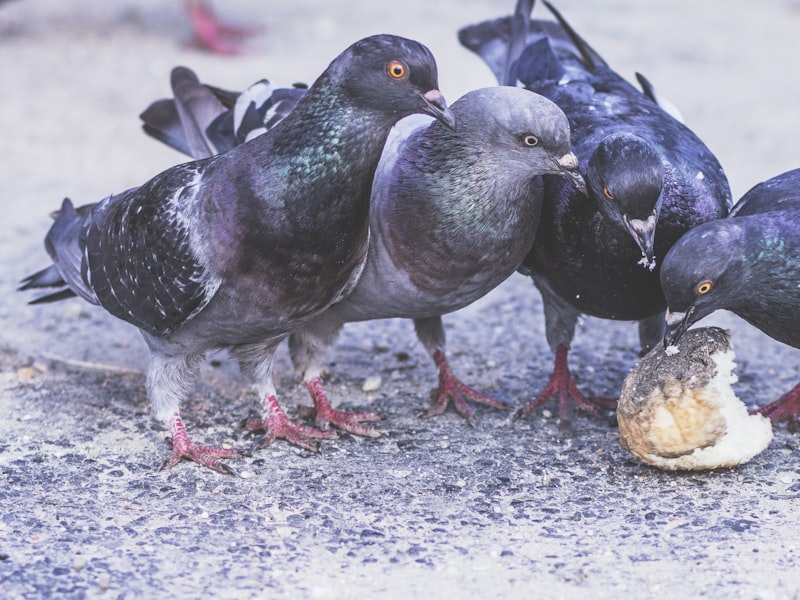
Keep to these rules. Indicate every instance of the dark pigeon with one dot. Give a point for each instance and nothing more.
(749, 264)
(452, 216)
(650, 180)
(238, 250)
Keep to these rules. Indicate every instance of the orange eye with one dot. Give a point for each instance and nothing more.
(607, 193)
(396, 70)
(703, 288)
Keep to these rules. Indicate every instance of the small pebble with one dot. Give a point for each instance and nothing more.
(671, 350)
(25, 373)
(371, 384)
(103, 581)
(74, 311)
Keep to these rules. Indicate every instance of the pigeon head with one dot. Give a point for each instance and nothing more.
(701, 273)
(393, 75)
(626, 176)
(531, 131)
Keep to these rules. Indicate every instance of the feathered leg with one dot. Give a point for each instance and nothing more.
(169, 381)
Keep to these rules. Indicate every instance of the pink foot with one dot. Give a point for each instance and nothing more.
(211, 34)
(786, 407)
(207, 456)
(278, 426)
(326, 415)
(561, 383)
(451, 388)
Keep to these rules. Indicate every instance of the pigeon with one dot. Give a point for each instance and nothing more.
(452, 214)
(650, 180)
(747, 263)
(238, 250)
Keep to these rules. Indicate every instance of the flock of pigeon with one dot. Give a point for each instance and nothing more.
(364, 196)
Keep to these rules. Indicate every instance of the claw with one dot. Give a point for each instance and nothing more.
(561, 383)
(278, 426)
(326, 415)
(451, 388)
(786, 407)
(208, 456)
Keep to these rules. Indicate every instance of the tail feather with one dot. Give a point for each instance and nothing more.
(490, 41)
(520, 25)
(504, 42)
(46, 278)
(54, 297)
(182, 122)
(226, 97)
(650, 91)
(197, 107)
(161, 121)
(63, 245)
(202, 120)
(591, 58)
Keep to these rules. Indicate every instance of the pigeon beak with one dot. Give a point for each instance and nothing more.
(436, 106)
(568, 169)
(677, 324)
(643, 233)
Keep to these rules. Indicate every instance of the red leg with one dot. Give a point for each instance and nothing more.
(786, 407)
(278, 426)
(207, 456)
(451, 388)
(326, 415)
(561, 383)
(210, 33)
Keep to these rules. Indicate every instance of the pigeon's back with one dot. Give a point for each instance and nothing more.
(550, 58)
(781, 193)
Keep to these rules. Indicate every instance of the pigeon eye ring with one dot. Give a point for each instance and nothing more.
(396, 70)
(530, 140)
(703, 288)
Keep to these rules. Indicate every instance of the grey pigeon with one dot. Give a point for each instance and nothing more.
(238, 250)
(452, 216)
(650, 180)
(749, 264)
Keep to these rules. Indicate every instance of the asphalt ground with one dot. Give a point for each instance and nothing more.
(433, 508)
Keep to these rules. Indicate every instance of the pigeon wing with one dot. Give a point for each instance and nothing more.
(140, 253)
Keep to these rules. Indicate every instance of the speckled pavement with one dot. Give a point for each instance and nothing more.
(433, 508)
